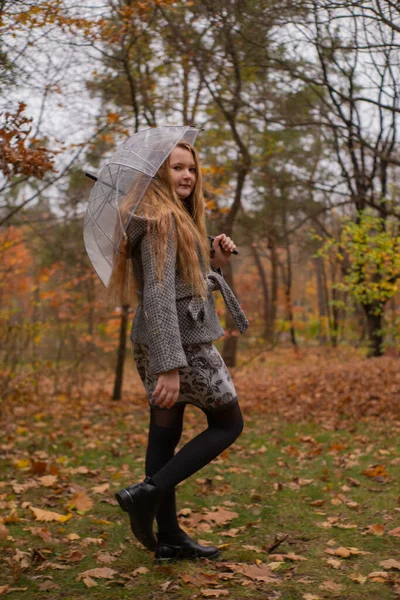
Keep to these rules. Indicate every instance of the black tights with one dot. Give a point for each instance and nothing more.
(168, 469)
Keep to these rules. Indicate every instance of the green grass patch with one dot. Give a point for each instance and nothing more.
(314, 488)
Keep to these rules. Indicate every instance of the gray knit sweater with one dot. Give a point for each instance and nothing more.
(169, 316)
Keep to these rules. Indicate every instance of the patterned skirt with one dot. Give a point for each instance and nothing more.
(205, 382)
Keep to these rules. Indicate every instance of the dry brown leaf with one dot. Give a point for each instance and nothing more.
(231, 532)
(294, 557)
(334, 563)
(376, 529)
(391, 563)
(100, 489)
(378, 576)
(3, 589)
(100, 573)
(167, 585)
(81, 501)
(89, 582)
(252, 548)
(310, 597)
(47, 480)
(73, 536)
(260, 572)
(395, 532)
(3, 532)
(48, 585)
(207, 593)
(140, 571)
(220, 516)
(105, 557)
(376, 471)
(199, 579)
(48, 515)
(358, 578)
(330, 586)
(89, 540)
(340, 551)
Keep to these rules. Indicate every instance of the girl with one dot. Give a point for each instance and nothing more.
(173, 330)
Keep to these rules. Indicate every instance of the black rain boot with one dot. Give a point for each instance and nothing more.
(141, 501)
(182, 548)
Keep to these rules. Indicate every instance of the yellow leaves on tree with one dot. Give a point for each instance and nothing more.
(20, 153)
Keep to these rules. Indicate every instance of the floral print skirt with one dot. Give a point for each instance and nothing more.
(205, 382)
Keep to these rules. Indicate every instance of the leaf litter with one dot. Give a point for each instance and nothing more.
(70, 496)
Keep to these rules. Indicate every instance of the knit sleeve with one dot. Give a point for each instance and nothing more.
(160, 310)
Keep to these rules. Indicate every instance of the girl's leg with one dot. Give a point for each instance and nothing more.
(164, 434)
(224, 426)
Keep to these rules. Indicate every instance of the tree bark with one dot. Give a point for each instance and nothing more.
(374, 327)
(267, 308)
(322, 304)
(119, 372)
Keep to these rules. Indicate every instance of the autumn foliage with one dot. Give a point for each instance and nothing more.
(20, 153)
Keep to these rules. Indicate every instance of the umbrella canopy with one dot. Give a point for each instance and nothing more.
(133, 166)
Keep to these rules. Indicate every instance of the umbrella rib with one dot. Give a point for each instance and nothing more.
(114, 162)
(99, 228)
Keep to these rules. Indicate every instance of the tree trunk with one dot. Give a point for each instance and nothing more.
(287, 283)
(274, 285)
(267, 309)
(230, 342)
(322, 303)
(119, 372)
(374, 327)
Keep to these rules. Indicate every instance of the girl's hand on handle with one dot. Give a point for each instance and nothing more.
(223, 247)
(167, 389)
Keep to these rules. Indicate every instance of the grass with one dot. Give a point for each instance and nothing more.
(270, 478)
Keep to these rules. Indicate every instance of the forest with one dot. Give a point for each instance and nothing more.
(297, 104)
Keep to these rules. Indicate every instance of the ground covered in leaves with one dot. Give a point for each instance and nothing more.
(305, 505)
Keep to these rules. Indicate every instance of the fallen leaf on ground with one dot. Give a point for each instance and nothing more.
(100, 489)
(199, 579)
(89, 582)
(334, 563)
(220, 516)
(48, 515)
(376, 529)
(378, 576)
(81, 501)
(395, 532)
(311, 597)
(48, 480)
(391, 563)
(331, 586)
(100, 573)
(358, 578)
(105, 557)
(341, 551)
(260, 572)
(3, 532)
(376, 471)
(140, 571)
(48, 585)
(214, 593)
(294, 557)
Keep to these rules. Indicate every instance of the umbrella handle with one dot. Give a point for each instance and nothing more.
(94, 178)
(91, 176)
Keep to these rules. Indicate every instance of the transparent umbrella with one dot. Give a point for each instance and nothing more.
(132, 167)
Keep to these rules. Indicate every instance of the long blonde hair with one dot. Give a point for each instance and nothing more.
(167, 215)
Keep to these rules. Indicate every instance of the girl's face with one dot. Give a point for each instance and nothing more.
(183, 172)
